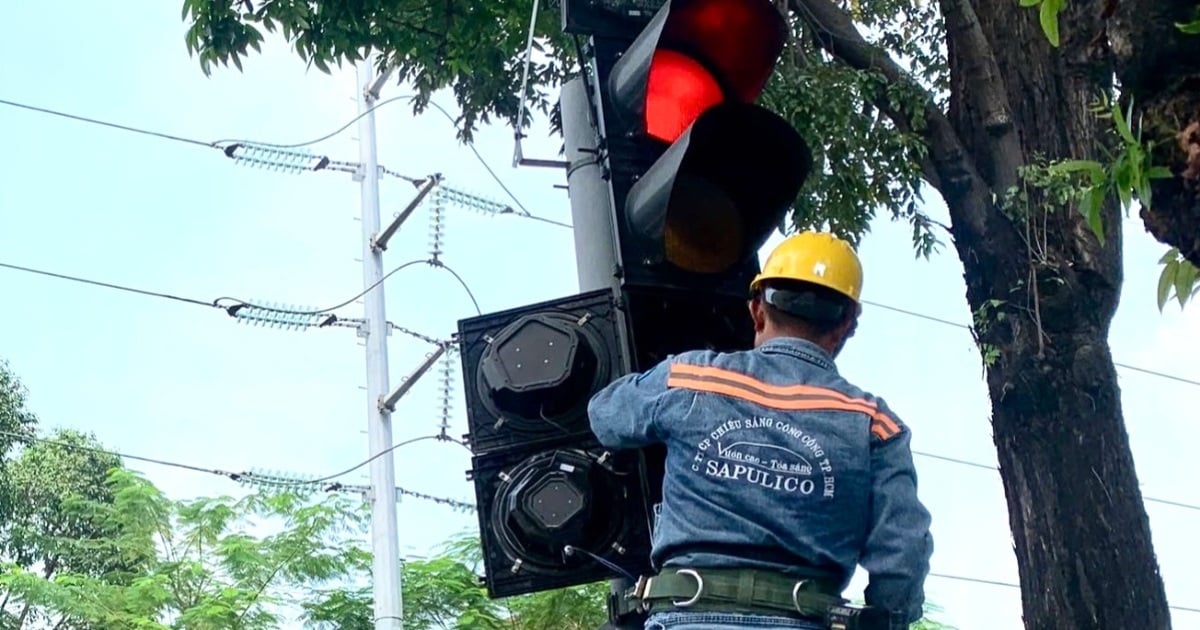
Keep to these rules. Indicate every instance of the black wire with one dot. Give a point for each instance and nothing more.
(216, 303)
(964, 462)
(466, 288)
(336, 306)
(324, 137)
(118, 287)
(948, 322)
(157, 134)
(470, 145)
(1012, 585)
(215, 471)
(33, 438)
(372, 458)
(216, 144)
(236, 476)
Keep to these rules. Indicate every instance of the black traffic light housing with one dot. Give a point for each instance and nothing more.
(549, 497)
(696, 177)
(699, 175)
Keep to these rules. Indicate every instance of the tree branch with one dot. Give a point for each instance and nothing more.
(987, 93)
(952, 171)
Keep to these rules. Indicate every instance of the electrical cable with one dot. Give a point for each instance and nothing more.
(334, 307)
(955, 324)
(108, 285)
(216, 304)
(462, 282)
(435, 105)
(375, 457)
(218, 144)
(964, 462)
(157, 134)
(242, 476)
(963, 578)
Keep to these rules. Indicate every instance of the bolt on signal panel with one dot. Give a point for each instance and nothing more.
(550, 499)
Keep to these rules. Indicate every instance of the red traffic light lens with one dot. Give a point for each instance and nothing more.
(679, 89)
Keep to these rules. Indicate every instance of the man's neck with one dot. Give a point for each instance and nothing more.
(823, 343)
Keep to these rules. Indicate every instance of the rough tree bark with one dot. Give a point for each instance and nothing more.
(1082, 535)
(1159, 67)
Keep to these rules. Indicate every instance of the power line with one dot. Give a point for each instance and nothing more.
(229, 143)
(975, 580)
(107, 285)
(216, 303)
(233, 310)
(248, 477)
(268, 480)
(148, 132)
(963, 462)
(955, 324)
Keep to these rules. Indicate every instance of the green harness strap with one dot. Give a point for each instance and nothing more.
(733, 590)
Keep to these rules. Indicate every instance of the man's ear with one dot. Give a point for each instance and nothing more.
(758, 313)
(852, 321)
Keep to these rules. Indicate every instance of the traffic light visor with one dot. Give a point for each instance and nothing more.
(715, 195)
(692, 55)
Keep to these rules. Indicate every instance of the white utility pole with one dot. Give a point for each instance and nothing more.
(385, 537)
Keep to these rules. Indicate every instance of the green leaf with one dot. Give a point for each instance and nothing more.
(1048, 15)
(1185, 279)
(1073, 166)
(1166, 280)
(1091, 205)
(1122, 123)
(1158, 172)
(1191, 28)
(1030, 3)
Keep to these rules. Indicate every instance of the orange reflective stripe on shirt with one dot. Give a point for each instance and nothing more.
(784, 397)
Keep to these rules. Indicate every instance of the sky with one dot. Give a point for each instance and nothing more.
(187, 383)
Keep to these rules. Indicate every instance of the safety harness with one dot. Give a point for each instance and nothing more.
(728, 590)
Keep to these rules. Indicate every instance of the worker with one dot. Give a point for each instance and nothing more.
(781, 476)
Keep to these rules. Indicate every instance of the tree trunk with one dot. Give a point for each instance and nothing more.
(1082, 535)
(1045, 290)
(1159, 68)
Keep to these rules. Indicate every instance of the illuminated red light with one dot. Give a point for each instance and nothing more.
(678, 90)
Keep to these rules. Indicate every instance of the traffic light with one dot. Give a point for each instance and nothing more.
(699, 174)
(549, 498)
(689, 177)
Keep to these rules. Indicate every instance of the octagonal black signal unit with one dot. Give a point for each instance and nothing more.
(559, 517)
(529, 372)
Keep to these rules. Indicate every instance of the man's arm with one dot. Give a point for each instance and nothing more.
(625, 413)
(899, 545)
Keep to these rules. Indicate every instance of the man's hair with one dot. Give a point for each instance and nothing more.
(805, 307)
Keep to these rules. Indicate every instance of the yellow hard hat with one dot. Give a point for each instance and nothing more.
(817, 257)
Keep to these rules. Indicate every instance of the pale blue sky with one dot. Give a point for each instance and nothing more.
(186, 383)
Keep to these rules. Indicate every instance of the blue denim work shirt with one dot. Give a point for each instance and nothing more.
(774, 461)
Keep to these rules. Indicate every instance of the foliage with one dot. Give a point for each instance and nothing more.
(52, 528)
(16, 423)
(1179, 279)
(204, 567)
(1128, 173)
(15, 420)
(196, 565)
(476, 49)
(445, 591)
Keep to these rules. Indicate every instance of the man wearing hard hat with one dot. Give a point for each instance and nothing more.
(781, 476)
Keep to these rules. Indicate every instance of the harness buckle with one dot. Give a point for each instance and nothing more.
(699, 589)
(796, 595)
